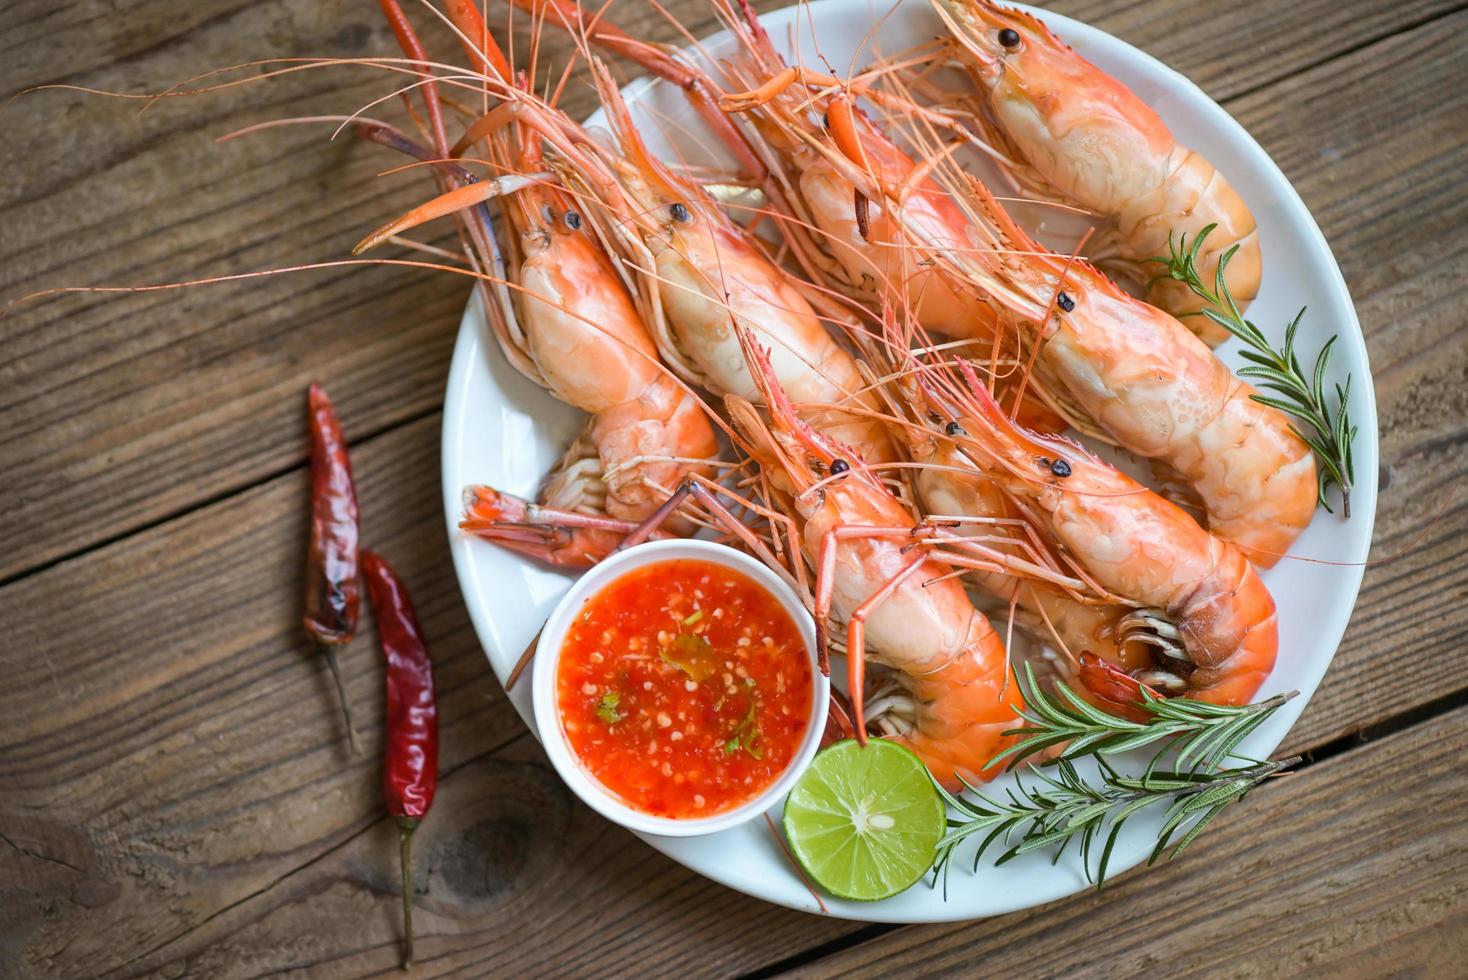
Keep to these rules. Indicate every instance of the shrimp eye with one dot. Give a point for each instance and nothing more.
(680, 212)
(1009, 37)
(1060, 468)
(839, 466)
(1064, 301)
(572, 220)
(954, 429)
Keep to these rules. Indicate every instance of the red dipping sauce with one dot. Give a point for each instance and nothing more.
(684, 688)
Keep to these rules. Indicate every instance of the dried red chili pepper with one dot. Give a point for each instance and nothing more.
(410, 773)
(333, 595)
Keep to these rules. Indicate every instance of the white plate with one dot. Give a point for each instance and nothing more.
(501, 430)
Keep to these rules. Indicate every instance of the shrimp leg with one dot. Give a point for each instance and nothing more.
(856, 638)
(562, 538)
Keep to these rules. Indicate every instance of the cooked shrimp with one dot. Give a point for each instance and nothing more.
(1081, 136)
(1211, 619)
(879, 243)
(903, 607)
(593, 351)
(860, 245)
(575, 330)
(695, 272)
(950, 485)
(1138, 375)
(953, 490)
(713, 276)
(877, 212)
(1156, 389)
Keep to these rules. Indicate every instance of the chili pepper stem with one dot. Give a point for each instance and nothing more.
(406, 826)
(341, 692)
(410, 774)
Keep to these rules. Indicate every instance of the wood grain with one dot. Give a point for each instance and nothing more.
(168, 731)
(161, 401)
(1231, 49)
(170, 747)
(176, 795)
(1380, 166)
(157, 402)
(516, 878)
(1356, 867)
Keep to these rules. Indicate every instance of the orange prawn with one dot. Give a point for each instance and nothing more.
(1078, 135)
(1213, 630)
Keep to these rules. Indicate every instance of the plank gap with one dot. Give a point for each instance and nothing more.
(1345, 52)
(840, 944)
(1391, 726)
(211, 500)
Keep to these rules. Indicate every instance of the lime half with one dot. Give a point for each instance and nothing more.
(864, 822)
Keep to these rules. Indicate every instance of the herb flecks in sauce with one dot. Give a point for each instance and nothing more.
(712, 686)
(693, 655)
(746, 733)
(606, 708)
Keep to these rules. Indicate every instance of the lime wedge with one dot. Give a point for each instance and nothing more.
(864, 822)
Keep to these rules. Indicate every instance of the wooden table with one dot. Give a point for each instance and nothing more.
(175, 793)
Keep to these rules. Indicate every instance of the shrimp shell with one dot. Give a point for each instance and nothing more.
(1138, 546)
(1082, 137)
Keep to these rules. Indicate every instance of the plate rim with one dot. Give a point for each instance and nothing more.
(469, 346)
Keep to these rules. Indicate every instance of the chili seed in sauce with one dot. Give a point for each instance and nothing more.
(705, 716)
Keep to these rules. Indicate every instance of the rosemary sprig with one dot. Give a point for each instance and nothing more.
(1055, 809)
(1204, 735)
(1064, 807)
(1277, 370)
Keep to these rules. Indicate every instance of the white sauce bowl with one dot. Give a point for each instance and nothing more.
(547, 710)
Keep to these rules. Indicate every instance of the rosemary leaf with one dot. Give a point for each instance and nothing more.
(1203, 734)
(1053, 810)
(1054, 805)
(1279, 370)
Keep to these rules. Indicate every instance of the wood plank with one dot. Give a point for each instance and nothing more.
(1380, 167)
(1229, 49)
(516, 878)
(171, 747)
(1355, 867)
(194, 760)
(161, 401)
(169, 732)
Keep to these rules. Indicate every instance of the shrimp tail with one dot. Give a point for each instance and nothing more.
(560, 538)
(557, 539)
